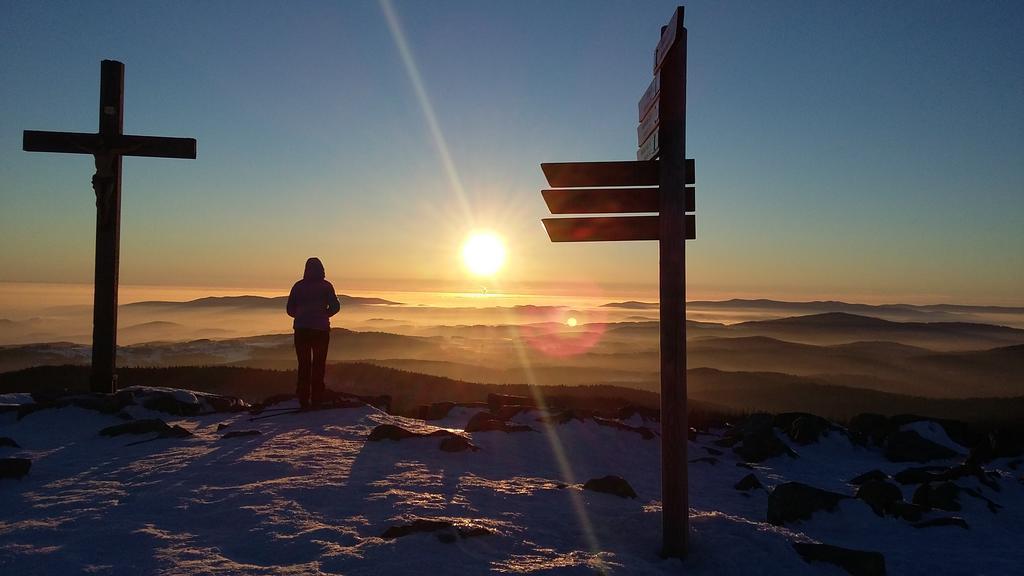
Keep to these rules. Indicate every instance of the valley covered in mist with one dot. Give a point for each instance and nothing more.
(742, 354)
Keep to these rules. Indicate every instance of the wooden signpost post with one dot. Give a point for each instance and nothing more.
(108, 145)
(655, 182)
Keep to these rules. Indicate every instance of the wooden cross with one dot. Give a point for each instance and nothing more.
(108, 145)
(656, 182)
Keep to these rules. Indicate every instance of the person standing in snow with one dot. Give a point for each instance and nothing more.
(312, 302)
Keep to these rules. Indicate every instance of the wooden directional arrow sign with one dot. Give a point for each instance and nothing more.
(610, 229)
(628, 173)
(647, 124)
(579, 174)
(609, 200)
(650, 97)
(649, 148)
(668, 39)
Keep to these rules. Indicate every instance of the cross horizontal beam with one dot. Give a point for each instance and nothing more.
(609, 200)
(123, 145)
(609, 228)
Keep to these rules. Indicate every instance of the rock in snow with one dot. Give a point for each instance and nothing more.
(855, 562)
(241, 434)
(14, 467)
(748, 482)
(796, 501)
(909, 446)
(146, 426)
(614, 485)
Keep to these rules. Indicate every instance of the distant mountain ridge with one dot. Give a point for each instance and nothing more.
(824, 306)
(261, 302)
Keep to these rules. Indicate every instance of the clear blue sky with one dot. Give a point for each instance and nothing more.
(858, 150)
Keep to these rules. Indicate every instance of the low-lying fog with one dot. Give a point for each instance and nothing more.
(939, 351)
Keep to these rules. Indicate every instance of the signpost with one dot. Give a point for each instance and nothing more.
(655, 182)
(108, 145)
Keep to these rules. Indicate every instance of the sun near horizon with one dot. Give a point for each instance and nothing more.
(483, 253)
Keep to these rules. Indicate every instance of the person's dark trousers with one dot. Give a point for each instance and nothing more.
(311, 350)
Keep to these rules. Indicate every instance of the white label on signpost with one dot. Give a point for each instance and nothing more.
(649, 97)
(648, 123)
(649, 149)
(668, 38)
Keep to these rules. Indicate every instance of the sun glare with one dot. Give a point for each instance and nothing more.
(483, 253)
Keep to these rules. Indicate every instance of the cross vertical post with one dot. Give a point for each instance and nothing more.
(107, 146)
(107, 185)
(672, 281)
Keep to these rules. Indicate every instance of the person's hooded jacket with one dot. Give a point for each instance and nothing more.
(312, 300)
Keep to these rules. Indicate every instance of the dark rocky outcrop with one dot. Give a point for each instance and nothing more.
(435, 411)
(153, 399)
(14, 467)
(486, 422)
(390, 432)
(748, 482)
(959, 432)
(346, 399)
(784, 420)
(456, 443)
(439, 410)
(880, 495)
(919, 474)
(923, 474)
(240, 434)
(997, 444)
(762, 445)
(563, 417)
(643, 431)
(222, 426)
(615, 485)
(855, 562)
(944, 496)
(274, 399)
(869, 476)
(801, 427)
(145, 426)
(947, 521)
(496, 401)
(451, 442)
(909, 446)
(869, 429)
(6, 442)
(509, 412)
(446, 530)
(808, 429)
(754, 439)
(168, 404)
(907, 511)
(796, 501)
(104, 403)
(648, 414)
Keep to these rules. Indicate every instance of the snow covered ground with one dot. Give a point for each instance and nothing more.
(310, 495)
